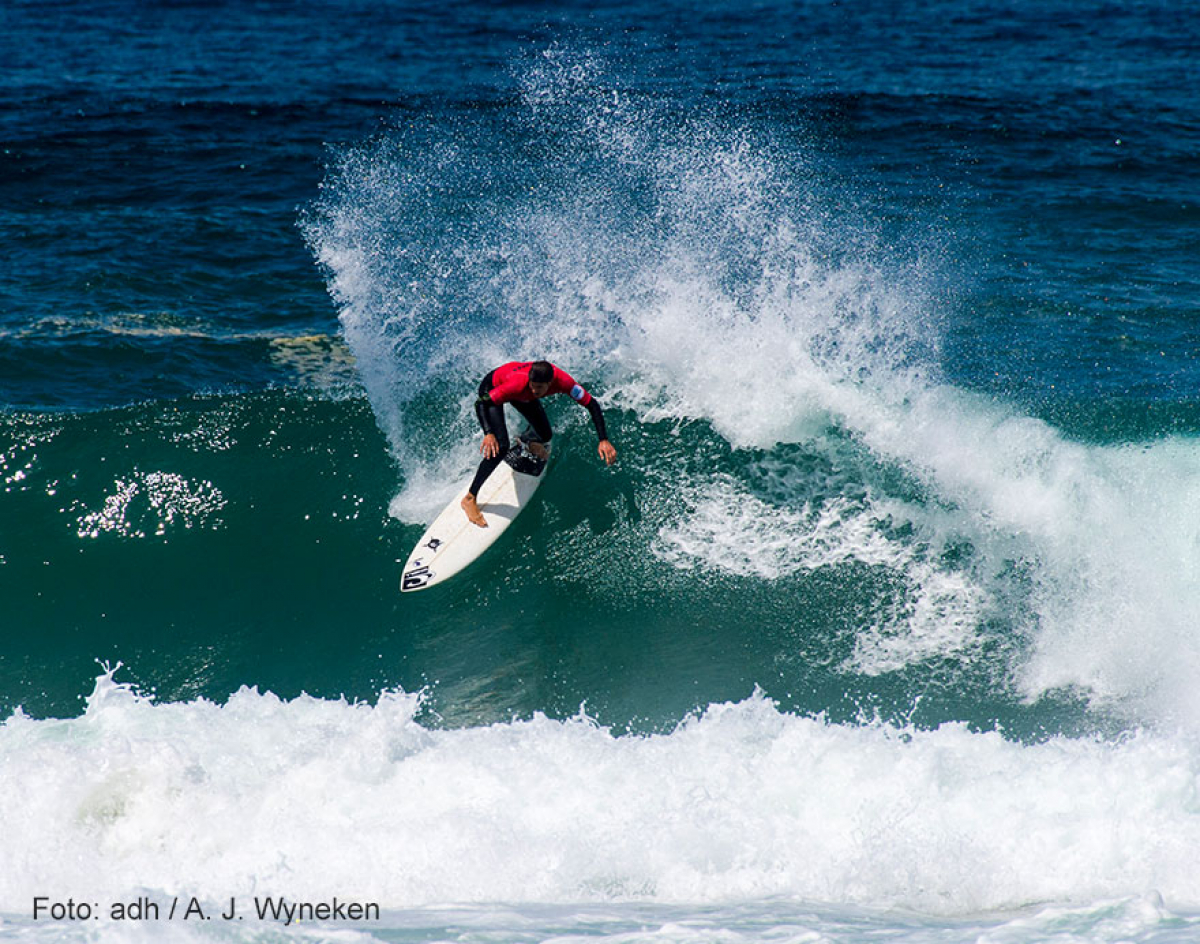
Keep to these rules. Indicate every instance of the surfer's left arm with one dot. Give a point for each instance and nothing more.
(567, 385)
(606, 449)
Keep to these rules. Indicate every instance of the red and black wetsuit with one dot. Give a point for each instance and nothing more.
(509, 383)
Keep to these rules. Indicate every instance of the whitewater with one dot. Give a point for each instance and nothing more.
(740, 804)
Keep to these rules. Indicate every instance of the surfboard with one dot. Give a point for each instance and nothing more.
(452, 542)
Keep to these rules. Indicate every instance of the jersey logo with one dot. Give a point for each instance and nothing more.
(578, 393)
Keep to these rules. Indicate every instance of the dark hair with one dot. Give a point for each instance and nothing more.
(541, 372)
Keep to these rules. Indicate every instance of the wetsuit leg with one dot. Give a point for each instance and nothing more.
(535, 415)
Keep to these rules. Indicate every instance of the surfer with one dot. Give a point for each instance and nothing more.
(522, 384)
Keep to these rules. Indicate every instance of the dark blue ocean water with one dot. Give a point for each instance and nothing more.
(894, 315)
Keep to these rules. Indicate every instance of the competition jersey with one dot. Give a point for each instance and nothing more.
(510, 382)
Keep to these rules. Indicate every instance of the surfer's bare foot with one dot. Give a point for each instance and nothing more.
(471, 507)
(538, 450)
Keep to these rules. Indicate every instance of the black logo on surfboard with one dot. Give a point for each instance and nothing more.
(416, 578)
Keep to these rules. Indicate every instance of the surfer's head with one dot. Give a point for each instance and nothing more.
(540, 375)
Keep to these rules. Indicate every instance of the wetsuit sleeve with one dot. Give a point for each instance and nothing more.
(486, 412)
(565, 383)
(593, 407)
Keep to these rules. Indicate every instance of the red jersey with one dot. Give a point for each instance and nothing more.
(510, 382)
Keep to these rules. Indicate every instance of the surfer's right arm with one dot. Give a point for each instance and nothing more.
(490, 447)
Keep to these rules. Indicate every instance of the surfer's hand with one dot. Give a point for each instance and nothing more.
(490, 447)
(607, 452)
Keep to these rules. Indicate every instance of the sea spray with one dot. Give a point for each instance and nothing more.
(665, 261)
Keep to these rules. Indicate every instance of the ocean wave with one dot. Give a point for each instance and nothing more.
(312, 797)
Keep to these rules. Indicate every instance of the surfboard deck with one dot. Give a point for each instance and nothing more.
(452, 542)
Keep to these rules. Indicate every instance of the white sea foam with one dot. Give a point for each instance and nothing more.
(312, 798)
(1105, 529)
(728, 529)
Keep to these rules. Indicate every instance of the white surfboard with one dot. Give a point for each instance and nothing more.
(452, 542)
